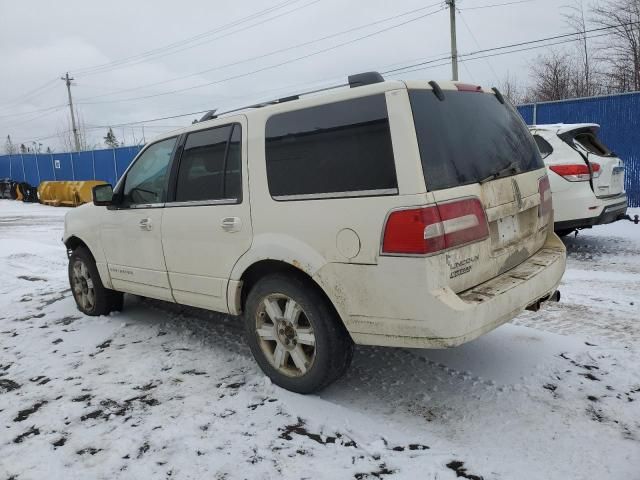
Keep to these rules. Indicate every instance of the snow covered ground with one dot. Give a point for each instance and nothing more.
(161, 391)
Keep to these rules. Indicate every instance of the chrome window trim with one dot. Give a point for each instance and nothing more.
(143, 205)
(350, 194)
(199, 203)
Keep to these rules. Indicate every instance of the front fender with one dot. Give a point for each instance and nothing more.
(83, 223)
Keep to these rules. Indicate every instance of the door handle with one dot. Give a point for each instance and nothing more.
(231, 224)
(146, 224)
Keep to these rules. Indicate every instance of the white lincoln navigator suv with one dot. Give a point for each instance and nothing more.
(405, 214)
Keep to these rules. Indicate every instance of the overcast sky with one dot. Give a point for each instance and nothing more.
(41, 40)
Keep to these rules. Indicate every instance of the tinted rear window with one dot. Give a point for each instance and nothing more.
(332, 150)
(469, 137)
(593, 144)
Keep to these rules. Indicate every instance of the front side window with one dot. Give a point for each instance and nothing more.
(333, 150)
(545, 147)
(210, 165)
(146, 180)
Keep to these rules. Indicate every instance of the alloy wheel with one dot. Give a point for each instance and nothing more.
(285, 335)
(83, 290)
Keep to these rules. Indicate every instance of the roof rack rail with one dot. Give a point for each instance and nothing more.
(357, 80)
(366, 78)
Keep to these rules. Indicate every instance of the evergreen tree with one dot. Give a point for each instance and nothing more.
(110, 139)
(23, 148)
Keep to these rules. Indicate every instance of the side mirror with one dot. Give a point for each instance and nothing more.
(102, 195)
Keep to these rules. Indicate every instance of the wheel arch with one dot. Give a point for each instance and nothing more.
(74, 242)
(265, 267)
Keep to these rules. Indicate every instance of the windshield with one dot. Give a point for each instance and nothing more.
(470, 137)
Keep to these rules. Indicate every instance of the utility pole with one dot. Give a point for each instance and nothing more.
(73, 117)
(454, 44)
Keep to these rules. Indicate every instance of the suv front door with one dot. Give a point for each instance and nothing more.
(206, 225)
(130, 234)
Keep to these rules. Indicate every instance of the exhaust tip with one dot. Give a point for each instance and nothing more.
(555, 296)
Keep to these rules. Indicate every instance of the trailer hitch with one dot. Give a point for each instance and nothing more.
(535, 306)
(635, 219)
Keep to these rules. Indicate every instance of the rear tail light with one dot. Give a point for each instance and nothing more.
(546, 202)
(425, 230)
(577, 173)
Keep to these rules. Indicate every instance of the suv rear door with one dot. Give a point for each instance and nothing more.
(474, 146)
(206, 225)
(608, 176)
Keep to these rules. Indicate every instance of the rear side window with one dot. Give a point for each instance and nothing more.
(470, 137)
(545, 147)
(592, 144)
(210, 165)
(334, 150)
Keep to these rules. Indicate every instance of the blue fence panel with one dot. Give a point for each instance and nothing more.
(5, 166)
(527, 113)
(17, 172)
(30, 164)
(82, 165)
(105, 166)
(62, 166)
(45, 166)
(85, 166)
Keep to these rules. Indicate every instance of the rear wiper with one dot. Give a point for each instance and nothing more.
(505, 172)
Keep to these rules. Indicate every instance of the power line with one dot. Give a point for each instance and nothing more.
(270, 67)
(519, 44)
(434, 64)
(182, 45)
(269, 54)
(46, 109)
(475, 40)
(33, 93)
(479, 7)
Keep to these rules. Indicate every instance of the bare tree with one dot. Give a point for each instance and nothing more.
(585, 83)
(9, 147)
(65, 135)
(621, 48)
(552, 75)
(511, 89)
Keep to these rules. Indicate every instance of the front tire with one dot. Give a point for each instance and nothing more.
(91, 296)
(295, 334)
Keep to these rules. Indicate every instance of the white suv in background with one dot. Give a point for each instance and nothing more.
(587, 179)
(406, 214)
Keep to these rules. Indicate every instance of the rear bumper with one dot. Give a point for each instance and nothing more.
(612, 211)
(451, 319)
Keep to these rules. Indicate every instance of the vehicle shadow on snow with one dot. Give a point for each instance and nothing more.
(588, 245)
(431, 385)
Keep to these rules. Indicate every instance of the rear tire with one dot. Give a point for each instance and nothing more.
(91, 296)
(295, 334)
